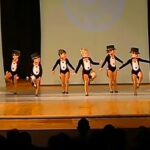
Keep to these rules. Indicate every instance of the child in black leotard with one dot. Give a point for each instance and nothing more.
(111, 69)
(87, 72)
(12, 74)
(63, 62)
(35, 73)
(136, 72)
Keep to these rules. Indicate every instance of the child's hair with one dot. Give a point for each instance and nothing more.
(16, 52)
(84, 50)
(61, 51)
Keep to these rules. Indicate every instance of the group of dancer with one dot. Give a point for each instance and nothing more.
(88, 74)
(34, 75)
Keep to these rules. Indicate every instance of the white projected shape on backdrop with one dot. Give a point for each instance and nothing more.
(94, 15)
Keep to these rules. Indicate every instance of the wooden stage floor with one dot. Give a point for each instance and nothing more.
(53, 110)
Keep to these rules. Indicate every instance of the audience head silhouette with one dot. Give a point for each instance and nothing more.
(83, 126)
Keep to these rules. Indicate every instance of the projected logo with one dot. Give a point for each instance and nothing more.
(94, 15)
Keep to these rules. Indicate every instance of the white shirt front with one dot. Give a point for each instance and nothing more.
(112, 61)
(36, 69)
(63, 65)
(87, 64)
(135, 65)
(13, 66)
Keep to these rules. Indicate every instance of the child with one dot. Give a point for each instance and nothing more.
(136, 72)
(64, 70)
(12, 73)
(87, 72)
(36, 72)
(111, 69)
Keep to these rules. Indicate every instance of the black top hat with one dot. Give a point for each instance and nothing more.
(134, 50)
(16, 52)
(35, 55)
(110, 47)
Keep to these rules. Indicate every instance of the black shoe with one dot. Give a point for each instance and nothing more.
(86, 94)
(66, 92)
(63, 92)
(111, 91)
(116, 91)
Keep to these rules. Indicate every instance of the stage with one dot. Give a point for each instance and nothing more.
(54, 110)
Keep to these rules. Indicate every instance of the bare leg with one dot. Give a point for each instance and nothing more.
(115, 81)
(110, 76)
(37, 86)
(86, 84)
(8, 77)
(140, 75)
(33, 82)
(134, 78)
(62, 77)
(15, 82)
(67, 76)
(93, 75)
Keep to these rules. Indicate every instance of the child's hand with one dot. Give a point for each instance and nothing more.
(27, 78)
(73, 73)
(100, 69)
(100, 62)
(17, 77)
